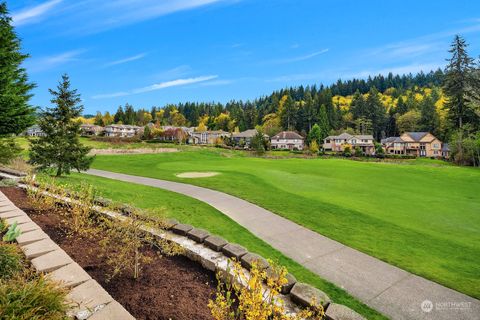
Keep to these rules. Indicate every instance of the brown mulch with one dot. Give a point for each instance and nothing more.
(169, 288)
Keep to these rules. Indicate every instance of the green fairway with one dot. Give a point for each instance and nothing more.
(422, 216)
(199, 214)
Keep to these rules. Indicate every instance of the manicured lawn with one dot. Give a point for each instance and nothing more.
(422, 216)
(199, 214)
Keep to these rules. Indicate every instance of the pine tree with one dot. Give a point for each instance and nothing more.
(119, 116)
(323, 124)
(376, 112)
(460, 85)
(314, 135)
(429, 120)
(60, 148)
(99, 119)
(15, 112)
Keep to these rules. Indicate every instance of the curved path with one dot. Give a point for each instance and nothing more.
(392, 291)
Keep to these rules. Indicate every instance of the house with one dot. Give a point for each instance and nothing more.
(207, 137)
(287, 140)
(90, 130)
(445, 151)
(338, 143)
(418, 144)
(243, 138)
(122, 131)
(34, 131)
(170, 133)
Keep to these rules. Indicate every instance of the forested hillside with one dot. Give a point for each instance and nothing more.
(380, 105)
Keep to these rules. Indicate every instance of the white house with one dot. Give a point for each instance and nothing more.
(121, 130)
(287, 140)
(90, 130)
(34, 131)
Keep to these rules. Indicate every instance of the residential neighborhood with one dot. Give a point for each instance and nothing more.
(418, 144)
(338, 143)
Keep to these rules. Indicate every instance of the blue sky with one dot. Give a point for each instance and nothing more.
(153, 52)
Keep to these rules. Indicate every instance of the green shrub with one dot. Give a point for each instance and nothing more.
(10, 260)
(8, 183)
(32, 297)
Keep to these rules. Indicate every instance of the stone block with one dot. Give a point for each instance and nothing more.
(215, 242)
(291, 280)
(20, 220)
(88, 298)
(305, 295)
(112, 311)
(39, 248)
(27, 227)
(70, 275)
(197, 235)
(51, 261)
(233, 250)
(341, 312)
(14, 212)
(170, 223)
(103, 202)
(248, 259)
(31, 237)
(181, 229)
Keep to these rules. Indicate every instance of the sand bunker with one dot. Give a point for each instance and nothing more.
(196, 174)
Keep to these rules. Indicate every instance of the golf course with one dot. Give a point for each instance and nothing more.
(421, 216)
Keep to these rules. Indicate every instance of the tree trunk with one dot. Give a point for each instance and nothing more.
(59, 171)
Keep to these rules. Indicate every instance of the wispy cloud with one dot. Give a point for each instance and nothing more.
(33, 14)
(93, 16)
(157, 86)
(177, 72)
(53, 61)
(125, 60)
(300, 58)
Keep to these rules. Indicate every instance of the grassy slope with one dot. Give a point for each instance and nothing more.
(199, 214)
(423, 218)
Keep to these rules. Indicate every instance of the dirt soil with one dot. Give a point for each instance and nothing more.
(169, 288)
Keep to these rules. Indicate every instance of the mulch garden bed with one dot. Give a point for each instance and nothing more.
(169, 288)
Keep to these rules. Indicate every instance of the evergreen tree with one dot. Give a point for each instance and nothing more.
(119, 116)
(376, 113)
(429, 120)
(15, 112)
(460, 86)
(315, 135)
(323, 124)
(60, 148)
(99, 119)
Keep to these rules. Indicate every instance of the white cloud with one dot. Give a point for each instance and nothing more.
(157, 86)
(33, 14)
(300, 58)
(125, 60)
(50, 62)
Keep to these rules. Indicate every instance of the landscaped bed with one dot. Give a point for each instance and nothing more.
(168, 288)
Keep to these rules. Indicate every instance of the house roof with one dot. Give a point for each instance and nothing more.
(388, 140)
(417, 136)
(445, 147)
(250, 133)
(287, 135)
(346, 136)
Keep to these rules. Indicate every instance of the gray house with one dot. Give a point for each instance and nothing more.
(245, 137)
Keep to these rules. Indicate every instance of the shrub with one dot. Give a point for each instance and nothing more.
(9, 150)
(29, 296)
(10, 260)
(253, 301)
(8, 182)
(314, 147)
(12, 233)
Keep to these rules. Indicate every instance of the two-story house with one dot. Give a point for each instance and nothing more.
(122, 131)
(244, 137)
(419, 144)
(90, 130)
(287, 140)
(34, 131)
(338, 143)
(207, 137)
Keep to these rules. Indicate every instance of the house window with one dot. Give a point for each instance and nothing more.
(435, 145)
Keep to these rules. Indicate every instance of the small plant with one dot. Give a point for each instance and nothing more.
(79, 214)
(124, 240)
(8, 182)
(27, 295)
(12, 233)
(252, 300)
(10, 260)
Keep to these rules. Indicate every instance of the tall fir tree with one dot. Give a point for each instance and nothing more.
(60, 148)
(16, 114)
(323, 123)
(461, 86)
(429, 119)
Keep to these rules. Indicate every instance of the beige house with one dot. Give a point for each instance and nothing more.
(287, 140)
(90, 130)
(207, 137)
(419, 144)
(338, 143)
(122, 130)
(245, 137)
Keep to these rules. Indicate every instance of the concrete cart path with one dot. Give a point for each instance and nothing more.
(392, 291)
